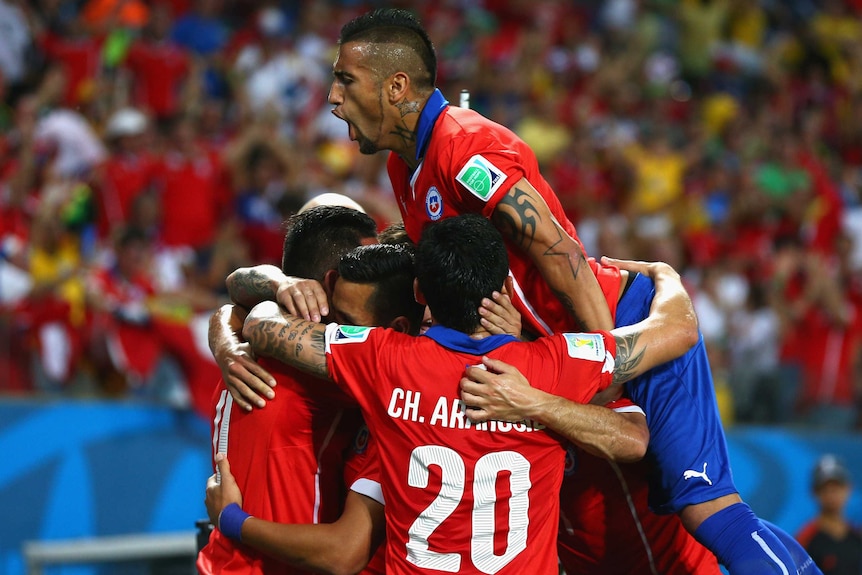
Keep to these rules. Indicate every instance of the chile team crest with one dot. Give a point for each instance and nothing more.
(360, 442)
(434, 204)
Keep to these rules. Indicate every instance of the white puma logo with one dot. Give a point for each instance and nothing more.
(689, 473)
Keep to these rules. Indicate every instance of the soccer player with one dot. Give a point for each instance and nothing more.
(464, 498)
(603, 499)
(374, 286)
(296, 445)
(834, 542)
(446, 161)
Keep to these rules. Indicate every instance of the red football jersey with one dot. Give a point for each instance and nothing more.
(158, 71)
(606, 525)
(469, 165)
(287, 460)
(192, 198)
(125, 178)
(461, 497)
(362, 475)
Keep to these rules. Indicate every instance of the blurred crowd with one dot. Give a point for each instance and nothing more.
(147, 149)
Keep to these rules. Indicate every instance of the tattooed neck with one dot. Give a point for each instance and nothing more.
(407, 107)
(408, 139)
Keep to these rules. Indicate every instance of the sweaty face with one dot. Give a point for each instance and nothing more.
(349, 303)
(357, 97)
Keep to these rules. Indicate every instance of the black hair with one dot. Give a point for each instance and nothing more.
(459, 261)
(390, 267)
(131, 235)
(396, 27)
(395, 233)
(318, 237)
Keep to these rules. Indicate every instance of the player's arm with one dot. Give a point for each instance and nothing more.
(245, 379)
(669, 331)
(344, 546)
(501, 392)
(275, 333)
(253, 285)
(524, 218)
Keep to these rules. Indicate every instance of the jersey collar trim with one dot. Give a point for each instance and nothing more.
(432, 110)
(459, 341)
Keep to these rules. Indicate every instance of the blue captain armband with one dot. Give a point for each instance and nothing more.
(230, 521)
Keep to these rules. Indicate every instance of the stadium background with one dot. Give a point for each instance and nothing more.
(147, 148)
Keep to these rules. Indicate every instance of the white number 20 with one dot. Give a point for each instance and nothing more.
(453, 476)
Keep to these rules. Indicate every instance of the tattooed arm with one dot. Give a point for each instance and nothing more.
(252, 285)
(303, 297)
(247, 382)
(669, 330)
(275, 333)
(524, 218)
(501, 392)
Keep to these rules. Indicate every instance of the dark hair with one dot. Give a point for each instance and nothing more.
(390, 268)
(392, 26)
(131, 235)
(459, 261)
(395, 233)
(318, 237)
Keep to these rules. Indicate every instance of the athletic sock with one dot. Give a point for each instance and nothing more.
(743, 544)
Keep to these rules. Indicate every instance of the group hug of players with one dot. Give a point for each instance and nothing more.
(559, 411)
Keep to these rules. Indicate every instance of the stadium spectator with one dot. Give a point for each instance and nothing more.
(833, 542)
(119, 295)
(57, 297)
(202, 31)
(263, 171)
(17, 48)
(813, 296)
(127, 172)
(158, 67)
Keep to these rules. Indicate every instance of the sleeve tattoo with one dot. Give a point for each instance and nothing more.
(292, 341)
(251, 286)
(518, 219)
(628, 359)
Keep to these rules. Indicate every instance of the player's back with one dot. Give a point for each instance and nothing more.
(606, 526)
(287, 459)
(461, 497)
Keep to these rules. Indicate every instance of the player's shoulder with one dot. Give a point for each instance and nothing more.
(338, 334)
(463, 127)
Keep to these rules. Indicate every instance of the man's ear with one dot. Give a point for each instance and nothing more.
(329, 279)
(417, 293)
(397, 87)
(401, 324)
(508, 286)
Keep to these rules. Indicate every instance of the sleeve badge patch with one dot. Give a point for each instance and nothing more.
(589, 346)
(481, 177)
(347, 334)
